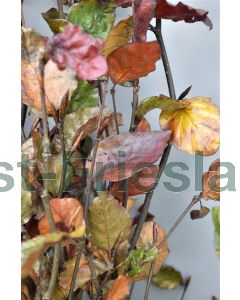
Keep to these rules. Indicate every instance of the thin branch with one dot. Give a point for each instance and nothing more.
(64, 155)
(133, 125)
(22, 15)
(94, 276)
(75, 272)
(60, 9)
(186, 285)
(44, 195)
(125, 193)
(168, 74)
(113, 93)
(89, 185)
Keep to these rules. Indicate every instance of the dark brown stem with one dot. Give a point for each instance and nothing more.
(168, 74)
(60, 9)
(64, 155)
(133, 125)
(113, 93)
(186, 285)
(125, 193)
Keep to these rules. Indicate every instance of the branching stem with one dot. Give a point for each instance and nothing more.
(60, 9)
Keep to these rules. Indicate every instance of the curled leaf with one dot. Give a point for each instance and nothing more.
(144, 11)
(80, 52)
(194, 123)
(211, 182)
(67, 214)
(119, 36)
(32, 248)
(121, 156)
(54, 22)
(167, 278)
(133, 61)
(181, 11)
(199, 214)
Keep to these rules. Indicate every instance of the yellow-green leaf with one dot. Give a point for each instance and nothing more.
(54, 22)
(118, 36)
(107, 222)
(195, 125)
(167, 278)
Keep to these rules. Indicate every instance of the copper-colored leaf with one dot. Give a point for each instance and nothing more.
(181, 11)
(211, 182)
(119, 36)
(140, 183)
(67, 214)
(143, 126)
(133, 61)
(146, 239)
(144, 11)
(194, 123)
(83, 274)
(199, 213)
(119, 288)
(121, 156)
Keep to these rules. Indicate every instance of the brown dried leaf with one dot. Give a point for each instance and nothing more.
(119, 288)
(211, 182)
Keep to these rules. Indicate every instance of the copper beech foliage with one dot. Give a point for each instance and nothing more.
(73, 150)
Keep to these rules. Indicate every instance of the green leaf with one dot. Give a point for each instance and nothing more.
(138, 258)
(167, 278)
(82, 121)
(83, 96)
(107, 222)
(27, 209)
(216, 222)
(95, 17)
(52, 18)
(162, 102)
(55, 167)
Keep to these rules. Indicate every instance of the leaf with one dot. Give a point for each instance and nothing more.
(138, 258)
(141, 183)
(67, 214)
(167, 278)
(55, 23)
(143, 126)
(119, 288)
(32, 248)
(119, 36)
(27, 209)
(195, 125)
(107, 222)
(124, 3)
(121, 156)
(216, 222)
(80, 52)
(180, 11)
(162, 102)
(83, 96)
(133, 61)
(146, 240)
(83, 274)
(211, 182)
(144, 11)
(56, 84)
(81, 123)
(199, 214)
(95, 17)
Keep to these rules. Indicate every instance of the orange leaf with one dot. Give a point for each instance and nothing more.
(144, 126)
(119, 289)
(67, 214)
(133, 61)
(211, 182)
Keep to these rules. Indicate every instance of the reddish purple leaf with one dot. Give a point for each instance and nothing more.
(144, 11)
(124, 3)
(78, 51)
(181, 12)
(121, 156)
